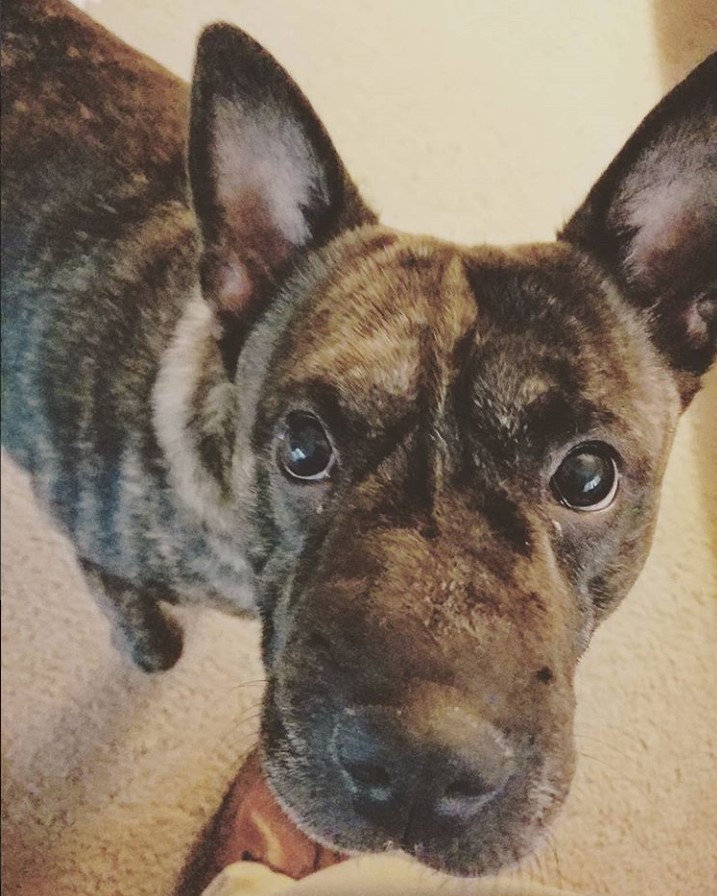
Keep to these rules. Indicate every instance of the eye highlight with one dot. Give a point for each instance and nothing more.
(304, 450)
(587, 479)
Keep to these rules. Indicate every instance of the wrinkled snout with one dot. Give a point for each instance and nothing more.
(424, 704)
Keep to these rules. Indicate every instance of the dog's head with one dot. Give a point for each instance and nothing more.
(452, 456)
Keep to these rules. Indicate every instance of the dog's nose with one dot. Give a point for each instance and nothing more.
(445, 767)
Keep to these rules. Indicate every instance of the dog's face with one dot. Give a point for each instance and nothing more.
(456, 456)
(464, 502)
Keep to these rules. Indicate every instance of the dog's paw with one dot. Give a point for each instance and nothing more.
(155, 648)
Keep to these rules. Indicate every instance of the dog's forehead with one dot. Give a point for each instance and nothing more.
(383, 308)
(390, 310)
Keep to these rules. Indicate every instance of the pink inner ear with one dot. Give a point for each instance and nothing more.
(265, 176)
(665, 222)
(267, 164)
(674, 240)
(697, 317)
(667, 203)
(233, 285)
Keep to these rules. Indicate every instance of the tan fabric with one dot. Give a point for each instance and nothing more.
(477, 120)
(249, 879)
(359, 877)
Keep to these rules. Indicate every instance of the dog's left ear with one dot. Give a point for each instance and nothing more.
(267, 183)
(651, 219)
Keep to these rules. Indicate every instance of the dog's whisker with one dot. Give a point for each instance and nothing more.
(611, 746)
(620, 772)
(249, 719)
(556, 857)
(256, 682)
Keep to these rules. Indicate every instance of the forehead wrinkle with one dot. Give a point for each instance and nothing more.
(387, 326)
(454, 323)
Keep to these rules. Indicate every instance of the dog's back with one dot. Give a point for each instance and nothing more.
(92, 159)
(91, 146)
(96, 266)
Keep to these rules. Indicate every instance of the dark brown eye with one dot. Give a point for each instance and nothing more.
(305, 451)
(587, 478)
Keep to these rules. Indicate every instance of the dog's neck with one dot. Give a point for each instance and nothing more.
(195, 416)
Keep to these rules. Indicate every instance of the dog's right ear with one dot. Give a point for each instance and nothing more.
(651, 219)
(267, 184)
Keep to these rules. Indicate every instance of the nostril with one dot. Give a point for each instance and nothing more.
(368, 774)
(467, 793)
(467, 788)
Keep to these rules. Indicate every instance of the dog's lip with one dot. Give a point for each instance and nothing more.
(464, 868)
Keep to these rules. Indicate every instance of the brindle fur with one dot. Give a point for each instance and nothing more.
(432, 594)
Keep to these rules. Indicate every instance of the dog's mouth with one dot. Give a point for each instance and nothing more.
(433, 807)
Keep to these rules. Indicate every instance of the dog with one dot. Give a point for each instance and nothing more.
(431, 469)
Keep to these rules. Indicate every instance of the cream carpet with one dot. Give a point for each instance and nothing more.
(482, 120)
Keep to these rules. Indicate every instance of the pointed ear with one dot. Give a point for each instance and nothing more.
(652, 220)
(266, 182)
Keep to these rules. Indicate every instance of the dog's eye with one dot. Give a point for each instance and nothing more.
(305, 451)
(587, 478)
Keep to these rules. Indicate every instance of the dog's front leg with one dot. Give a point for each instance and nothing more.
(141, 629)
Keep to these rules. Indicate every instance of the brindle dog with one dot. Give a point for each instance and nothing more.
(433, 469)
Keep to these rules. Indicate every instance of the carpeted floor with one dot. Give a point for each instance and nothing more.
(481, 120)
